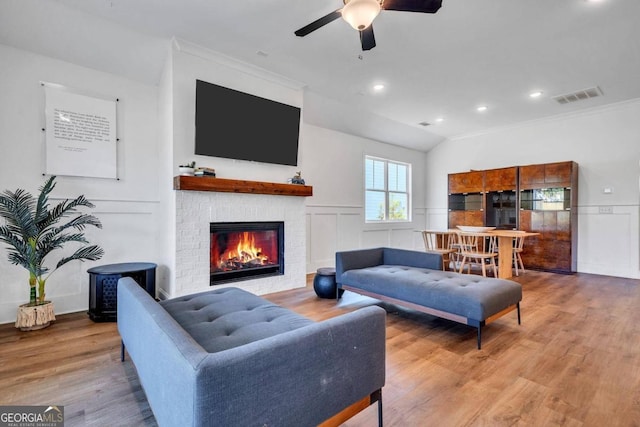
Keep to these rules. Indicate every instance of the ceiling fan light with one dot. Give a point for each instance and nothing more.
(360, 13)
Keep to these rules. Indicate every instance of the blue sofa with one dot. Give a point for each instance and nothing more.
(230, 358)
(415, 280)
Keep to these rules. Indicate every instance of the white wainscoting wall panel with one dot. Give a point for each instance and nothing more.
(612, 247)
(339, 228)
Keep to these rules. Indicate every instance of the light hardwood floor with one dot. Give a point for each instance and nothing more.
(574, 361)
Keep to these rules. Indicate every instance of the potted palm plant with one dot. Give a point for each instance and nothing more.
(32, 231)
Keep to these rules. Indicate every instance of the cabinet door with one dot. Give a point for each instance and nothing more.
(466, 182)
(525, 220)
(475, 218)
(563, 230)
(456, 218)
(551, 250)
(531, 176)
(500, 179)
(558, 173)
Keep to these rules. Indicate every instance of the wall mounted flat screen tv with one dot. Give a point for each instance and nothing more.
(237, 125)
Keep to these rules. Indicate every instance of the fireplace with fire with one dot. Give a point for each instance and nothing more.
(246, 250)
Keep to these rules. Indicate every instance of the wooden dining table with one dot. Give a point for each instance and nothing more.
(505, 249)
(505, 246)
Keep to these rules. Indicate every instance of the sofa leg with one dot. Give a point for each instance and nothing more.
(479, 336)
(518, 309)
(121, 351)
(380, 422)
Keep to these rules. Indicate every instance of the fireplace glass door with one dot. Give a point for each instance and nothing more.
(246, 250)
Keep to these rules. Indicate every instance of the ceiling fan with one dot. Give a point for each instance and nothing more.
(361, 13)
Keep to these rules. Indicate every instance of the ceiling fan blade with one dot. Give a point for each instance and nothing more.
(424, 6)
(319, 23)
(367, 39)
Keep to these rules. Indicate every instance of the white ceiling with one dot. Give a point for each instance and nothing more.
(470, 53)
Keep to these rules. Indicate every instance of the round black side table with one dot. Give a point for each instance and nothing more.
(103, 286)
(324, 283)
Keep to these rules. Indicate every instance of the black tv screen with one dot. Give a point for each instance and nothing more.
(237, 125)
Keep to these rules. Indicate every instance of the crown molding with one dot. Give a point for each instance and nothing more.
(228, 61)
(550, 119)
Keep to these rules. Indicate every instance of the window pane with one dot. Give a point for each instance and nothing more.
(393, 177)
(368, 173)
(378, 175)
(374, 174)
(374, 206)
(398, 206)
(397, 177)
(402, 178)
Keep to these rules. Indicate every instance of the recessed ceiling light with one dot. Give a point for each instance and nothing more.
(440, 119)
(378, 87)
(482, 108)
(536, 94)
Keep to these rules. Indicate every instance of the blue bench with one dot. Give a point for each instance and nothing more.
(415, 280)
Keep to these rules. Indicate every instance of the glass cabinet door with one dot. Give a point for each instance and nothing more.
(465, 202)
(546, 199)
(501, 209)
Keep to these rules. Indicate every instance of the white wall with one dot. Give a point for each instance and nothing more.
(333, 162)
(606, 145)
(128, 207)
(166, 225)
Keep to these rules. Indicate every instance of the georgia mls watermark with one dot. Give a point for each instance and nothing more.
(31, 416)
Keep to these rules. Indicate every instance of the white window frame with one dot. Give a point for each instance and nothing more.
(386, 190)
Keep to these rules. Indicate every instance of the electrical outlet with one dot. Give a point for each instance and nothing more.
(605, 209)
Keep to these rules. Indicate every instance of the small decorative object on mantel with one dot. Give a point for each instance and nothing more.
(202, 171)
(297, 179)
(32, 231)
(187, 169)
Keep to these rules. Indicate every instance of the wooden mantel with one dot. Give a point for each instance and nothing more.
(202, 183)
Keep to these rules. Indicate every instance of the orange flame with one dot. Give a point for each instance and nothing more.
(245, 252)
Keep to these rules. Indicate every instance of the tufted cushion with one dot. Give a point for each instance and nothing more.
(471, 296)
(230, 317)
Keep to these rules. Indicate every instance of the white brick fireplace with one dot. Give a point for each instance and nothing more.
(195, 210)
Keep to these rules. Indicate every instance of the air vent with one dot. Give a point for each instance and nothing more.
(425, 124)
(579, 95)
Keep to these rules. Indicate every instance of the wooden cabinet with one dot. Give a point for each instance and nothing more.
(540, 198)
(466, 182)
(548, 205)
